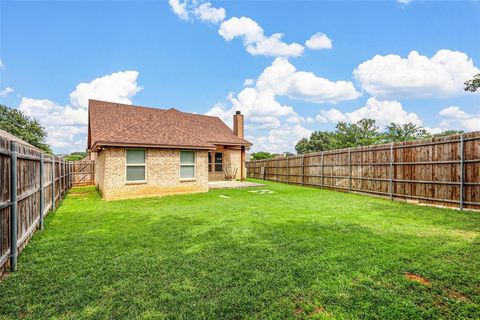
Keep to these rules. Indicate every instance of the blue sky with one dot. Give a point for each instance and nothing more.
(196, 56)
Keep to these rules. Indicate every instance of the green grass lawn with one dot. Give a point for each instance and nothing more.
(295, 253)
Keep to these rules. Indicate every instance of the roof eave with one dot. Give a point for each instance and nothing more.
(246, 144)
(98, 144)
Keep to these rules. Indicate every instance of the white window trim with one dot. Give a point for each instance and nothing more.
(136, 165)
(188, 164)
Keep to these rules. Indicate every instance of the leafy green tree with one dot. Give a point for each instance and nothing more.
(303, 146)
(447, 133)
(362, 133)
(473, 84)
(28, 129)
(262, 155)
(319, 141)
(75, 156)
(404, 132)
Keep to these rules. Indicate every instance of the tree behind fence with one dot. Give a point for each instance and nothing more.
(41, 183)
(439, 171)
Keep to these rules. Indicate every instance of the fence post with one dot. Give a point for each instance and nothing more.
(391, 171)
(321, 170)
(349, 170)
(288, 170)
(276, 169)
(462, 169)
(62, 178)
(303, 170)
(64, 175)
(69, 175)
(53, 182)
(42, 192)
(13, 206)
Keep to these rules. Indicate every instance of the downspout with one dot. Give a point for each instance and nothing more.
(242, 163)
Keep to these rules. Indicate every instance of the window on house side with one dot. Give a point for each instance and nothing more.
(187, 164)
(218, 161)
(210, 155)
(135, 164)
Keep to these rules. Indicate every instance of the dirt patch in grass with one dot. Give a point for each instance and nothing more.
(4, 275)
(298, 301)
(307, 312)
(80, 193)
(320, 310)
(457, 295)
(417, 278)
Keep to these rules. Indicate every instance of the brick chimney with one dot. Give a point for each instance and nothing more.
(238, 124)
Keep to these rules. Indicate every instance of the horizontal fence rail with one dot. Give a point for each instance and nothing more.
(439, 171)
(32, 184)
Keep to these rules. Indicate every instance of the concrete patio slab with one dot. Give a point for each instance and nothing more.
(232, 184)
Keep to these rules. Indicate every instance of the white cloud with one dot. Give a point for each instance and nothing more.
(307, 86)
(253, 35)
(50, 113)
(118, 87)
(2, 66)
(298, 119)
(383, 112)
(284, 80)
(179, 8)
(455, 118)
(67, 124)
(262, 122)
(405, 1)
(263, 111)
(67, 138)
(248, 82)
(5, 92)
(189, 10)
(440, 76)
(280, 140)
(206, 13)
(255, 40)
(319, 41)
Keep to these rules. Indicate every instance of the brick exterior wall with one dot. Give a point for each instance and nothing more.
(100, 170)
(162, 174)
(231, 160)
(238, 125)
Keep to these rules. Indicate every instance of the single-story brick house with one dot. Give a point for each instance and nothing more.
(140, 151)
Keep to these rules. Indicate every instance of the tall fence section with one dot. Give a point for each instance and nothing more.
(440, 171)
(32, 184)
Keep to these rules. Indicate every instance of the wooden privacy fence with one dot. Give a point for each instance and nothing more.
(83, 172)
(32, 184)
(438, 171)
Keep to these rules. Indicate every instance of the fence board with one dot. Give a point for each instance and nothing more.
(27, 193)
(83, 172)
(426, 171)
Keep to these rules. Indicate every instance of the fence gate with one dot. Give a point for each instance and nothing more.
(83, 173)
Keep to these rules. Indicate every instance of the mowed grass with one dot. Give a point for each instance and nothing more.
(295, 253)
